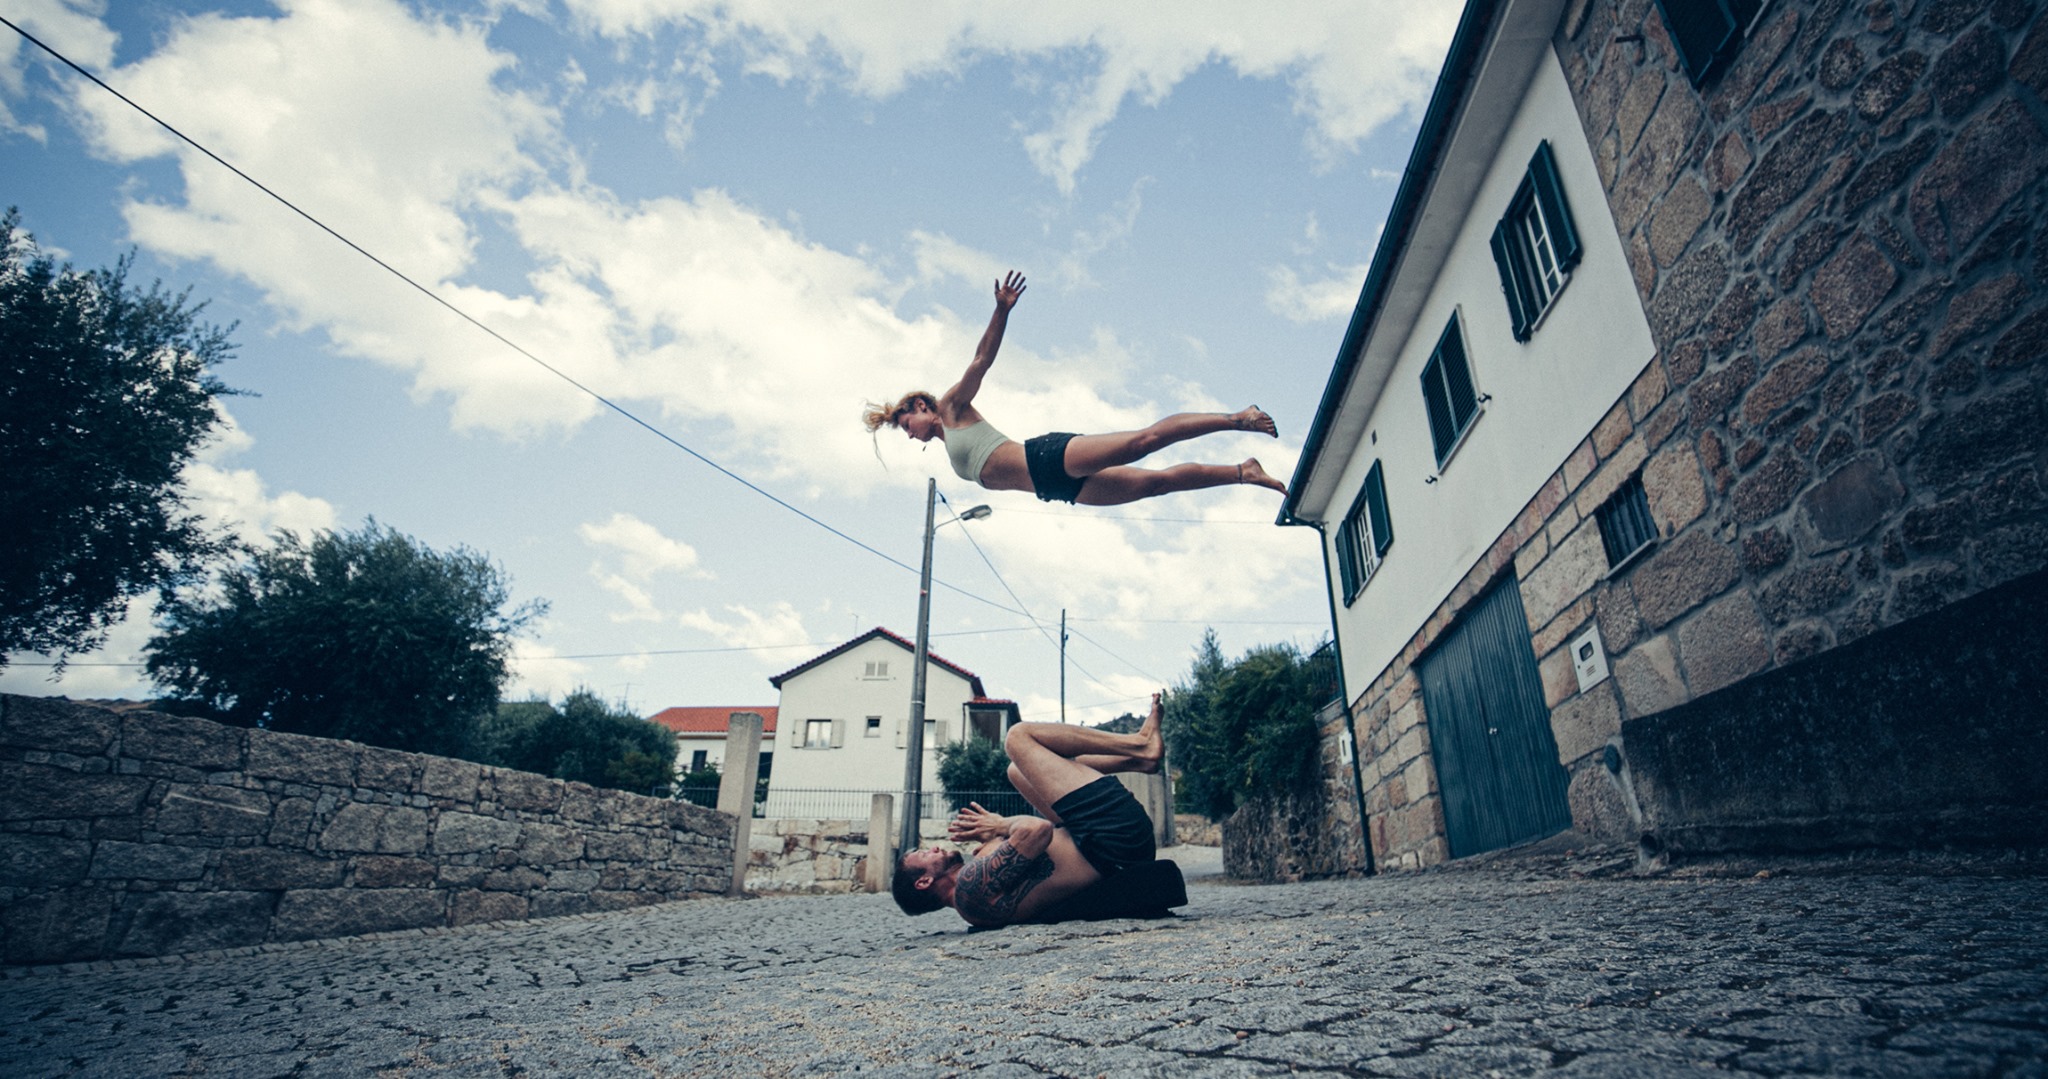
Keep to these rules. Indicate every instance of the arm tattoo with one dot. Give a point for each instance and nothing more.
(990, 888)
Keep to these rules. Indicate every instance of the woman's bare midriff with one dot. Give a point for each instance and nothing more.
(1006, 469)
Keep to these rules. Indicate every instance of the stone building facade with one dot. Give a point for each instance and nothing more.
(1839, 242)
(138, 833)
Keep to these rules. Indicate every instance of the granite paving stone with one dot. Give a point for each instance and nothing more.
(1503, 970)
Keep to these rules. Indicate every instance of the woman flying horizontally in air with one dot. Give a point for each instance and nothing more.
(1093, 470)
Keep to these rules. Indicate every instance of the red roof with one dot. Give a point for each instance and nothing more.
(711, 718)
(974, 680)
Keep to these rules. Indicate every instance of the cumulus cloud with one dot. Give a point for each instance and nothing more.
(538, 670)
(71, 28)
(1330, 296)
(746, 627)
(642, 548)
(1354, 64)
(238, 500)
(635, 553)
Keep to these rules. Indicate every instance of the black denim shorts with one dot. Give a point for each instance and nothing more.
(1046, 457)
(1108, 824)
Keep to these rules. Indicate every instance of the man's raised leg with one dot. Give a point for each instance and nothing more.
(1055, 760)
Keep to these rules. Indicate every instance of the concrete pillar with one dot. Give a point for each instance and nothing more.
(881, 847)
(736, 788)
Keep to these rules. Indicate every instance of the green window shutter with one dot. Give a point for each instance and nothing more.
(1512, 283)
(1457, 376)
(1703, 30)
(1376, 510)
(1443, 428)
(1347, 562)
(1557, 215)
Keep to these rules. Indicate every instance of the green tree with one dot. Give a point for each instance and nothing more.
(104, 398)
(972, 769)
(1242, 728)
(585, 740)
(367, 635)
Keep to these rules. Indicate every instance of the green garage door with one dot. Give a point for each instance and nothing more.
(1489, 731)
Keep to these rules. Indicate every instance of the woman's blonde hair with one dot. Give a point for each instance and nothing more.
(876, 417)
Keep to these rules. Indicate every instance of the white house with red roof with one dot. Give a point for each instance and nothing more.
(844, 720)
(700, 733)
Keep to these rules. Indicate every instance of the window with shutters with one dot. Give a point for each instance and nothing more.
(1365, 535)
(821, 733)
(1708, 33)
(1448, 394)
(1626, 528)
(1535, 245)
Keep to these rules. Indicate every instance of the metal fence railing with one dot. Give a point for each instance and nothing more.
(854, 804)
(1322, 674)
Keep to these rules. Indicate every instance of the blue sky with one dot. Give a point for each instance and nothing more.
(739, 220)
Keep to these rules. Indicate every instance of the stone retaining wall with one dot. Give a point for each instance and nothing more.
(800, 855)
(1925, 734)
(138, 833)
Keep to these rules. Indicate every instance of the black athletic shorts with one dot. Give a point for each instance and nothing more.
(1109, 826)
(1046, 457)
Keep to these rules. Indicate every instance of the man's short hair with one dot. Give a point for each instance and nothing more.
(909, 896)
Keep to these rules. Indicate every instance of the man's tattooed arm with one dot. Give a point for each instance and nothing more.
(990, 888)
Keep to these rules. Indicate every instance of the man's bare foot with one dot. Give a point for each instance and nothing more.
(1252, 472)
(1254, 418)
(1153, 752)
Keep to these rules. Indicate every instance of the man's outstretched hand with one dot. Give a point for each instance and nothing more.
(975, 824)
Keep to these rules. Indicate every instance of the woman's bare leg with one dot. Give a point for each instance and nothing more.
(1118, 486)
(1089, 454)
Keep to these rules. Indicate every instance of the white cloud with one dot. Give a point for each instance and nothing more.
(749, 628)
(941, 258)
(1331, 296)
(642, 548)
(73, 29)
(642, 553)
(1354, 64)
(538, 670)
(389, 130)
(238, 500)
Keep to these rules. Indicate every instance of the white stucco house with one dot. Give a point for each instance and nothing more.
(843, 721)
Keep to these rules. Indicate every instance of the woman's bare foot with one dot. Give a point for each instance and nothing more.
(1152, 752)
(1255, 419)
(1252, 472)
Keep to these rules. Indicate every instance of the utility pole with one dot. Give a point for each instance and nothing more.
(913, 763)
(1063, 664)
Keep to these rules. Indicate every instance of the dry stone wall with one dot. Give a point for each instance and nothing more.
(139, 833)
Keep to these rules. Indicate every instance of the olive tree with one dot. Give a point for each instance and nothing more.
(105, 396)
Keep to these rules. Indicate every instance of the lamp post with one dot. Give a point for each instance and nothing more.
(913, 763)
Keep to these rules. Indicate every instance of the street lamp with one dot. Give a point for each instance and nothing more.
(913, 763)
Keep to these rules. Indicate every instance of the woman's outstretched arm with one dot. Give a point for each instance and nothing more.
(961, 396)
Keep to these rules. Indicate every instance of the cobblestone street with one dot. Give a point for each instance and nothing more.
(1439, 973)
